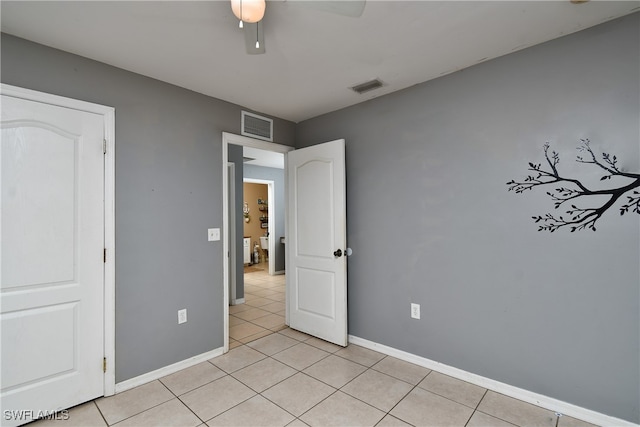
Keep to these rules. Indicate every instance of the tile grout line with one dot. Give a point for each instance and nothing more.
(260, 393)
(148, 409)
(477, 406)
(100, 412)
(186, 392)
(297, 417)
(403, 397)
(335, 390)
(187, 406)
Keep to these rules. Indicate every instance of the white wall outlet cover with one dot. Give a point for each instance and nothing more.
(182, 316)
(213, 234)
(415, 311)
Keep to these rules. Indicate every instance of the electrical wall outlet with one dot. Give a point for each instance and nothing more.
(213, 234)
(182, 316)
(415, 311)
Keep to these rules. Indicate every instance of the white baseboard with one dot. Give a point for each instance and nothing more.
(167, 370)
(238, 301)
(279, 272)
(543, 401)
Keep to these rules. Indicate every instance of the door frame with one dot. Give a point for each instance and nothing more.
(272, 212)
(108, 114)
(232, 283)
(230, 138)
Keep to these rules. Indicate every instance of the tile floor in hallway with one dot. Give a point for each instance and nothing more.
(263, 310)
(287, 378)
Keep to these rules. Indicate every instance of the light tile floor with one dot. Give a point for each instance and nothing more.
(287, 378)
(263, 310)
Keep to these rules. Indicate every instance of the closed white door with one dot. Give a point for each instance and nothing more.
(316, 267)
(51, 261)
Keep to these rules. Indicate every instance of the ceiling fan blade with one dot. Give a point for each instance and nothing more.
(254, 33)
(351, 8)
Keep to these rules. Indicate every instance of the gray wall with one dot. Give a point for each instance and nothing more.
(168, 192)
(277, 176)
(430, 220)
(235, 156)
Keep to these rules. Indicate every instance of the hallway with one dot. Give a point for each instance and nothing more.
(263, 310)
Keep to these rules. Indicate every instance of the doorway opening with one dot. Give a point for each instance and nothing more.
(255, 299)
(259, 215)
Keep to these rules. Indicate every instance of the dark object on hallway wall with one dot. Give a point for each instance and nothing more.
(578, 218)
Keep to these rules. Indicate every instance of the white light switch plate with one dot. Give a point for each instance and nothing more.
(415, 311)
(213, 234)
(182, 316)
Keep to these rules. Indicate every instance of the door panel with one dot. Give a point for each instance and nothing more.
(29, 149)
(49, 356)
(314, 213)
(51, 261)
(316, 278)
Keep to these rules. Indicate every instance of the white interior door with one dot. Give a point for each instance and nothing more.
(316, 240)
(51, 260)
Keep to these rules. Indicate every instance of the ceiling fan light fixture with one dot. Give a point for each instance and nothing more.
(250, 11)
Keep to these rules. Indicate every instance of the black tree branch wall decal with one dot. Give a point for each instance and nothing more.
(571, 189)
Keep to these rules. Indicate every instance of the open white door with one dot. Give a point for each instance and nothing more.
(52, 268)
(316, 240)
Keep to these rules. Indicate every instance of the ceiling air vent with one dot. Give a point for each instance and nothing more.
(367, 86)
(257, 126)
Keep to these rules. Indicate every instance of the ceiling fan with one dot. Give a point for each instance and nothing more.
(251, 12)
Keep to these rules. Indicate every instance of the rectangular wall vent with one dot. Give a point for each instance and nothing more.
(367, 86)
(256, 126)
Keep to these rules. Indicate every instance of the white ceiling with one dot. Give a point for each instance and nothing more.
(258, 157)
(312, 57)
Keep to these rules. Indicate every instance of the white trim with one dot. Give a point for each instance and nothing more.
(279, 272)
(233, 282)
(541, 400)
(110, 246)
(225, 245)
(108, 114)
(167, 370)
(230, 138)
(239, 301)
(60, 101)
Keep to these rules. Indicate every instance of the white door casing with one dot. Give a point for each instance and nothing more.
(229, 138)
(232, 226)
(54, 305)
(316, 241)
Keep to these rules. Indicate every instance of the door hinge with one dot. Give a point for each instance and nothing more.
(104, 256)
(104, 364)
(104, 146)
